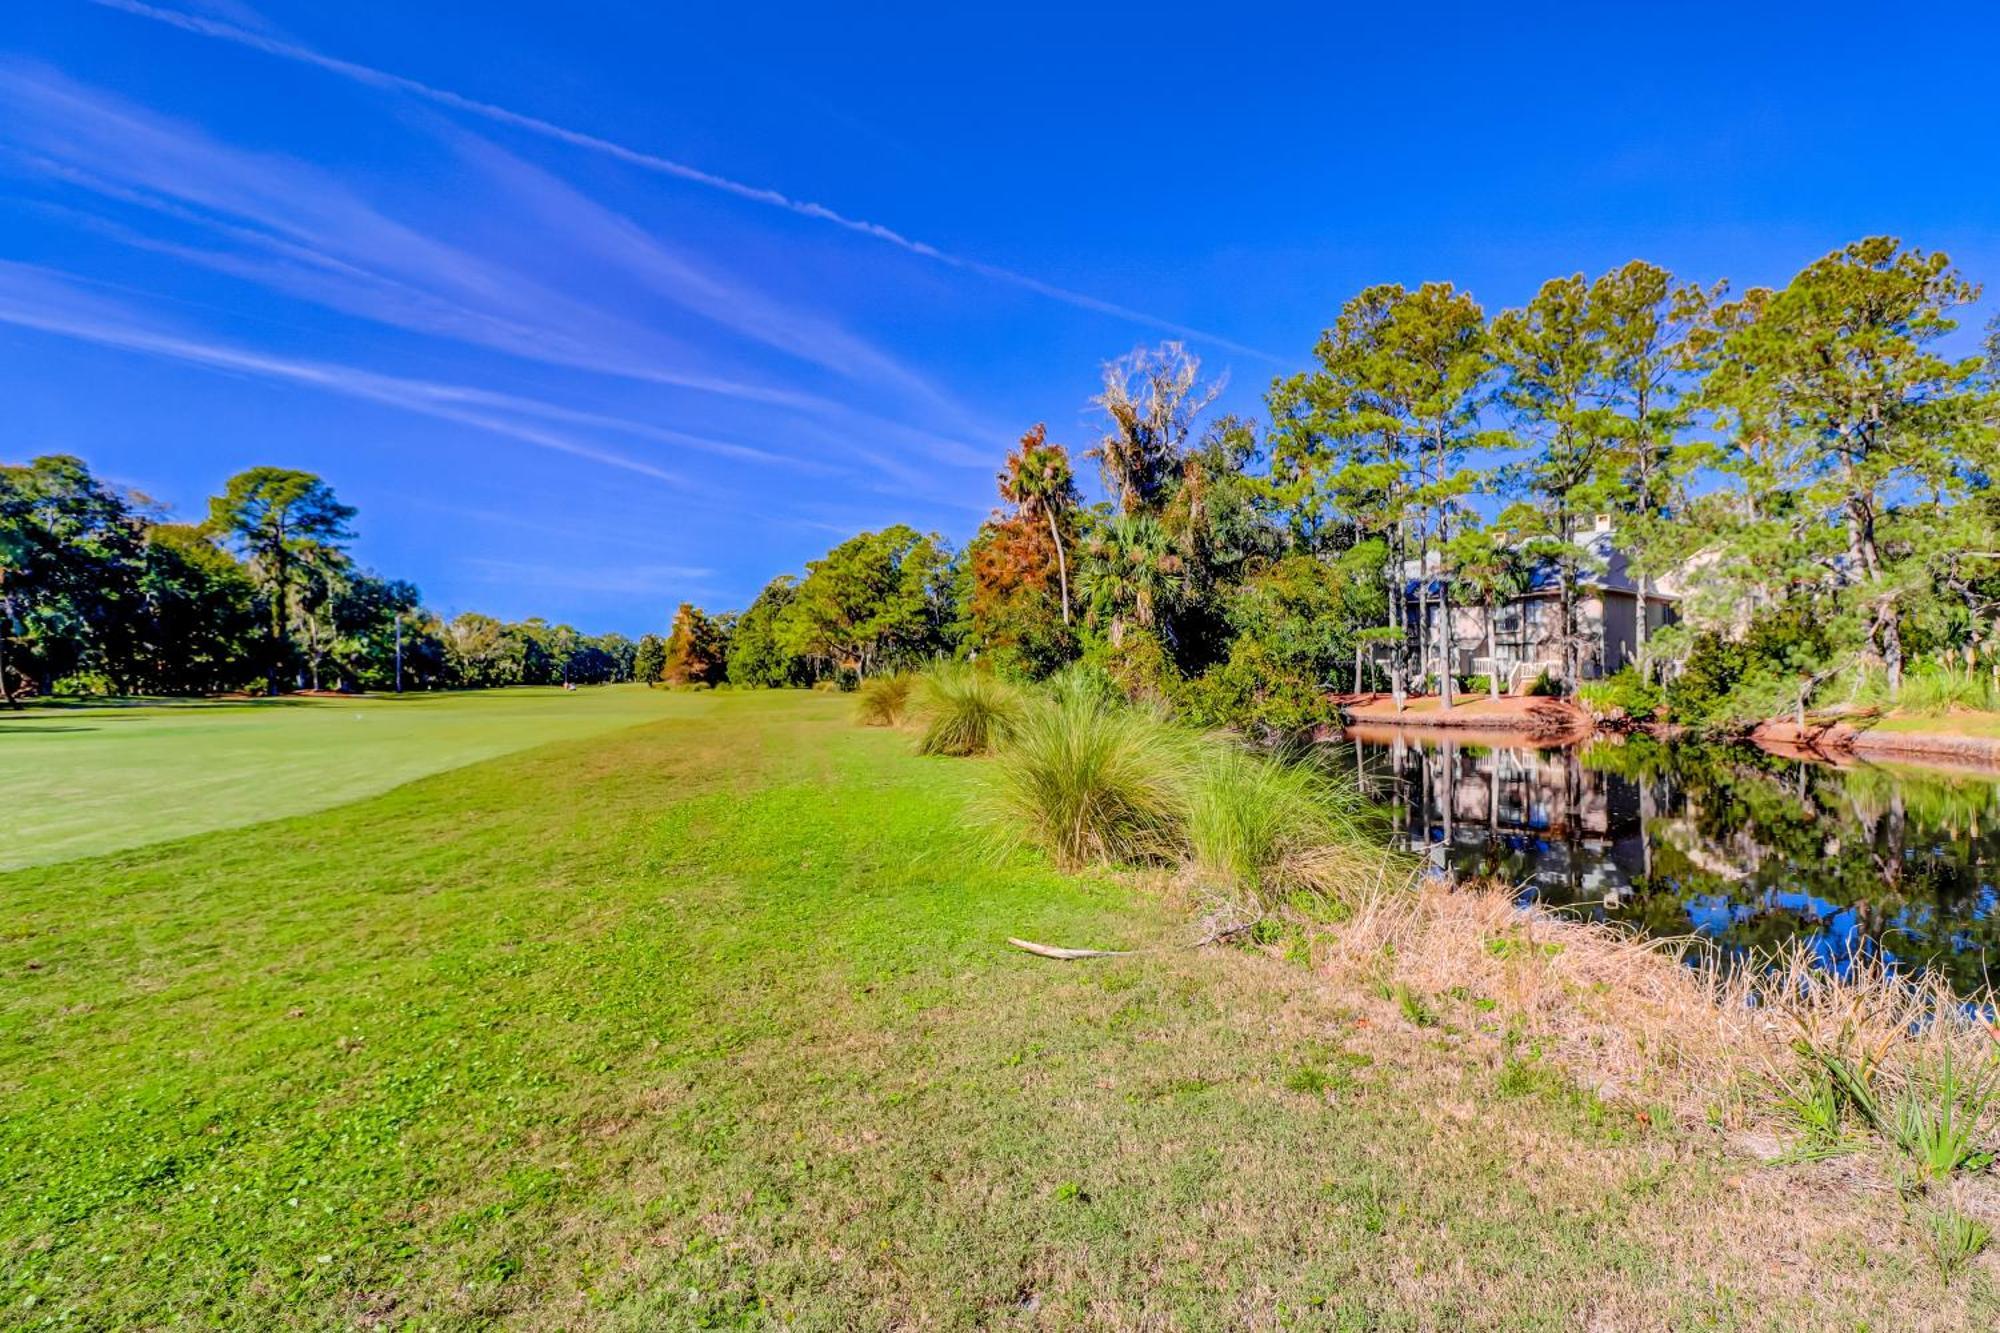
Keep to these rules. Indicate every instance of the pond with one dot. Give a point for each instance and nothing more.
(1743, 849)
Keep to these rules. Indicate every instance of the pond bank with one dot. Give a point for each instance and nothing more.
(1552, 721)
(1549, 721)
(1838, 738)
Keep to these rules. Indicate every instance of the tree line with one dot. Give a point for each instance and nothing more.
(1802, 463)
(101, 594)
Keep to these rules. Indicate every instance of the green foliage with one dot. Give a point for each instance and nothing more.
(1731, 683)
(1933, 691)
(758, 655)
(1939, 1110)
(880, 599)
(1625, 694)
(292, 529)
(1258, 826)
(1085, 781)
(1951, 1238)
(965, 710)
(1295, 631)
(649, 658)
(1417, 1011)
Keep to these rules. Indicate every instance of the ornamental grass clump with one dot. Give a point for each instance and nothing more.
(1088, 781)
(884, 701)
(964, 710)
(1262, 828)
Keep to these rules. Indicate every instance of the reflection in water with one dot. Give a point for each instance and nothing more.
(1745, 849)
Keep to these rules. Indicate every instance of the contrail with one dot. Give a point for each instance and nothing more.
(664, 166)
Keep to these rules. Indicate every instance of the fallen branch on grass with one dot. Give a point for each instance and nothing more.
(1052, 951)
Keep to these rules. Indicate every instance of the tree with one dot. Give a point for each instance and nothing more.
(878, 599)
(650, 658)
(1378, 433)
(1554, 363)
(1152, 398)
(1832, 381)
(198, 626)
(1644, 323)
(1294, 626)
(479, 653)
(1132, 575)
(758, 656)
(695, 651)
(1039, 483)
(70, 547)
(282, 519)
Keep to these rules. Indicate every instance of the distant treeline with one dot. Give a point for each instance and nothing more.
(1804, 463)
(98, 595)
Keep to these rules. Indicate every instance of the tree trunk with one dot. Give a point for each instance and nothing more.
(1492, 655)
(1572, 665)
(1399, 620)
(1892, 646)
(280, 581)
(1421, 635)
(1639, 629)
(1357, 666)
(6, 631)
(1446, 685)
(1062, 565)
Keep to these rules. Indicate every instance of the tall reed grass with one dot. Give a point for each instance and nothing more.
(1089, 781)
(1261, 827)
(884, 701)
(965, 710)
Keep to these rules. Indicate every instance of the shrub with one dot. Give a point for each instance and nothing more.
(965, 710)
(1623, 694)
(1086, 782)
(882, 701)
(1934, 691)
(1263, 827)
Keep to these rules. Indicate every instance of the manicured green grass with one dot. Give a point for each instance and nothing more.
(78, 781)
(711, 1022)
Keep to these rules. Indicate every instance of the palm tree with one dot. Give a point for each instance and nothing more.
(1131, 571)
(1040, 483)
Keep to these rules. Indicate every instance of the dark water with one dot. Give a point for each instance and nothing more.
(1743, 849)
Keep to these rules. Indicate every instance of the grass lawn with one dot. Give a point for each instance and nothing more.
(1941, 724)
(709, 1022)
(95, 779)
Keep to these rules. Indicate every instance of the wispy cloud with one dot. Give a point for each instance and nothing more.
(37, 298)
(293, 229)
(296, 229)
(665, 166)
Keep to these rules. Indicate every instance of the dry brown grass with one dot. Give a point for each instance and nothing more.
(1629, 1017)
(1631, 1023)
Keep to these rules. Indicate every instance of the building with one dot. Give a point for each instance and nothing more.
(1525, 638)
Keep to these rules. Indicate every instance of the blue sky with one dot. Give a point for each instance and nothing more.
(596, 308)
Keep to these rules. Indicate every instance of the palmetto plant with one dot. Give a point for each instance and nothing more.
(1131, 574)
